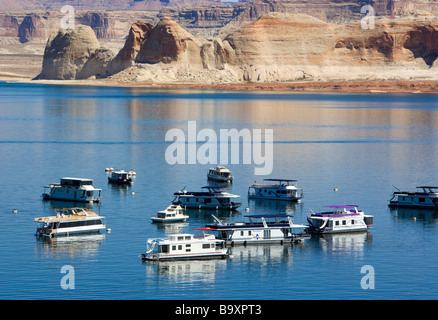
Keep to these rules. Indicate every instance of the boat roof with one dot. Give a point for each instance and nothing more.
(279, 215)
(287, 180)
(69, 214)
(342, 206)
(213, 187)
(78, 179)
(427, 187)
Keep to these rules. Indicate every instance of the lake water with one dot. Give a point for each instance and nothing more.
(361, 144)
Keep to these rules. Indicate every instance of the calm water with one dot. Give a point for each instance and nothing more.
(360, 144)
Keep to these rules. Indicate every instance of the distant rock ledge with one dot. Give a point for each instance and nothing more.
(278, 47)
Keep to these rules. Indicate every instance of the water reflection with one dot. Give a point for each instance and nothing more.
(73, 246)
(185, 271)
(425, 215)
(344, 243)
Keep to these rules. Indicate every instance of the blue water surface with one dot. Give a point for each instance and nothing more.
(358, 144)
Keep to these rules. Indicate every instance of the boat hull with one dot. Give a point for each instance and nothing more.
(71, 231)
(168, 220)
(294, 199)
(292, 239)
(222, 254)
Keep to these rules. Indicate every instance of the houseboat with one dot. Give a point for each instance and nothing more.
(70, 221)
(120, 177)
(72, 189)
(340, 218)
(184, 246)
(427, 198)
(264, 229)
(214, 197)
(173, 213)
(276, 189)
(220, 174)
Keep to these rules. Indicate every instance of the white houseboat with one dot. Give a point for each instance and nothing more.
(427, 198)
(72, 189)
(173, 213)
(120, 177)
(220, 174)
(276, 189)
(69, 221)
(341, 218)
(214, 198)
(184, 246)
(269, 229)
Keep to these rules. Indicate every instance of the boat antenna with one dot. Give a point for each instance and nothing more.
(396, 187)
(217, 219)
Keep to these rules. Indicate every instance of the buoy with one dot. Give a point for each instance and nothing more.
(246, 209)
(414, 219)
(14, 211)
(108, 230)
(132, 192)
(335, 189)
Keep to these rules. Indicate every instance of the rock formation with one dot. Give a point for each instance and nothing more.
(74, 54)
(277, 47)
(31, 28)
(127, 55)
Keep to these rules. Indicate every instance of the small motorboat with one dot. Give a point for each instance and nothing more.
(220, 174)
(120, 177)
(173, 213)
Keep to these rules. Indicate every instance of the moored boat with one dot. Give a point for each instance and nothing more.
(72, 189)
(173, 213)
(260, 229)
(341, 218)
(214, 198)
(69, 221)
(120, 177)
(425, 199)
(184, 246)
(276, 189)
(220, 174)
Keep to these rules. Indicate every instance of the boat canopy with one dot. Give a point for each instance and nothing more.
(343, 206)
(280, 215)
(213, 187)
(204, 229)
(281, 180)
(427, 187)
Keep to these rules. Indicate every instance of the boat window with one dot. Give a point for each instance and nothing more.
(188, 238)
(188, 245)
(164, 248)
(337, 223)
(197, 200)
(207, 200)
(352, 221)
(421, 199)
(241, 233)
(173, 247)
(249, 232)
(344, 222)
(180, 238)
(403, 198)
(180, 247)
(206, 246)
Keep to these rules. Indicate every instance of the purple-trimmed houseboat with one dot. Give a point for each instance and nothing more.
(342, 218)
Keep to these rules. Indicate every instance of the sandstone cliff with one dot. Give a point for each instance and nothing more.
(74, 54)
(276, 47)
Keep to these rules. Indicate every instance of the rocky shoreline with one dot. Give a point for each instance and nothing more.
(387, 86)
